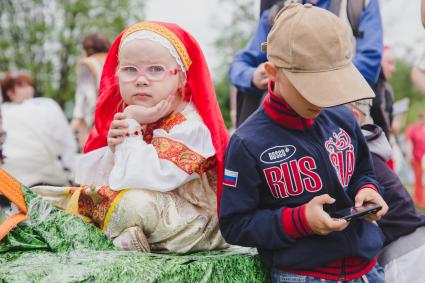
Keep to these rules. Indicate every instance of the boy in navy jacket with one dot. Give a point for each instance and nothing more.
(293, 163)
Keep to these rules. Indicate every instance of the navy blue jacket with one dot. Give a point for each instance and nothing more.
(402, 218)
(273, 170)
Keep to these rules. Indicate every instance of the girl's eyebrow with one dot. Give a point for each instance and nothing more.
(143, 62)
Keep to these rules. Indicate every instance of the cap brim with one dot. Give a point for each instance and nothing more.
(331, 88)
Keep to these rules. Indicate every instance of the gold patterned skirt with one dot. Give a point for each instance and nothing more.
(183, 220)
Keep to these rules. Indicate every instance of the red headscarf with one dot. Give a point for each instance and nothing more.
(199, 86)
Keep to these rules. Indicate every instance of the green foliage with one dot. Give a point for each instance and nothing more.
(222, 89)
(401, 83)
(43, 37)
(415, 108)
(403, 87)
(234, 37)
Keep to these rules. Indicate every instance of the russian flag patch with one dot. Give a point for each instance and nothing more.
(230, 178)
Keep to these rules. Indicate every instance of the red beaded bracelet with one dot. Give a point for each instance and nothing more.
(135, 133)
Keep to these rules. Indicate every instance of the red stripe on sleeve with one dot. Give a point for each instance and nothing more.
(370, 186)
(304, 221)
(295, 222)
(288, 223)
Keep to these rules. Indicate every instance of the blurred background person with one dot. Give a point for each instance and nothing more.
(247, 72)
(397, 139)
(423, 12)
(415, 152)
(418, 74)
(382, 105)
(40, 147)
(89, 71)
(2, 133)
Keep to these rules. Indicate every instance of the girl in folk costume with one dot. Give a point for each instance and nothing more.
(157, 146)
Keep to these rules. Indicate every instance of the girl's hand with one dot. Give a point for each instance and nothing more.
(369, 195)
(145, 115)
(320, 222)
(117, 130)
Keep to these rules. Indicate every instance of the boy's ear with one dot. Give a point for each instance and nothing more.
(357, 114)
(271, 70)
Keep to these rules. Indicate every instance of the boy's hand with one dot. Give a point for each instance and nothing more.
(369, 195)
(320, 222)
(117, 130)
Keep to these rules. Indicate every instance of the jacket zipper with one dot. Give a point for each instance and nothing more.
(342, 278)
(324, 157)
(332, 207)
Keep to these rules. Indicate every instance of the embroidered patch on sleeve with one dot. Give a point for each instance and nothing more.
(182, 156)
(230, 178)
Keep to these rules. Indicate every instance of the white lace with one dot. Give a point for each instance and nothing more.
(153, 36)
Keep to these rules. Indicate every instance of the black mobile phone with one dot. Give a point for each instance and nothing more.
(356, 212)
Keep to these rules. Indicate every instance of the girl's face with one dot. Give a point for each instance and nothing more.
(20, 93)
(151, 57)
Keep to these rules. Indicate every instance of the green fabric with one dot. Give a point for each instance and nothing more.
(54, 246)
(54, 230)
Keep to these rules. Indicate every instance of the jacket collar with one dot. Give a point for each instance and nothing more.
(280, 111)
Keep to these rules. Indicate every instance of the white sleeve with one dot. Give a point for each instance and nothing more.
(94, 167)
(60, 133)
(171, 160)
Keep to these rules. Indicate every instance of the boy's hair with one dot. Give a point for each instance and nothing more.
(12, 80)
(95, 43)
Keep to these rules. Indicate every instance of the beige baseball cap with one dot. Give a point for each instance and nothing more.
(313, 49)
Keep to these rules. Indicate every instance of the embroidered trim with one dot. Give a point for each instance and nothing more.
(155, 37)
(169, 122)
(166, 124)
(161, 30)
(96, 203)
(182, 156)
(112, 208)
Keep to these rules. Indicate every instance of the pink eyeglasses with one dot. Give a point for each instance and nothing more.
(153, 73)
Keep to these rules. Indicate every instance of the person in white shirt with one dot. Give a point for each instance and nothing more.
(40, 147)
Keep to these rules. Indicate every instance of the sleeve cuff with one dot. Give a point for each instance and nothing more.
(370, 186)
(246, 80)
(295, 223)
